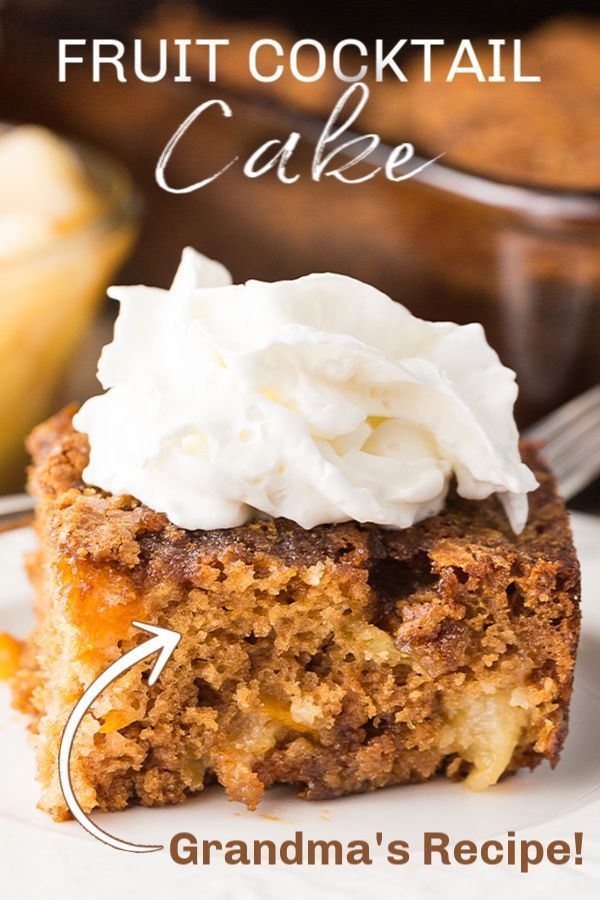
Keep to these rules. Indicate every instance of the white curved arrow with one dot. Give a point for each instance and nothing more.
(164, 644)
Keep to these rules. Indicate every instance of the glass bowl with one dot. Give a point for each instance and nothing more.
(47, 300)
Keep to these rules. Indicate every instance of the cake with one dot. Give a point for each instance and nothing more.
(333, 655)
(542, 134)
(337, 659)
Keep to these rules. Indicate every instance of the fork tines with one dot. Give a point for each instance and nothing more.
(570, 439)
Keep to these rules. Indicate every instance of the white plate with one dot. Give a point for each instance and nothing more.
(62, 859)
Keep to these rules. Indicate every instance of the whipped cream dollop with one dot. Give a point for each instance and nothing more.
(320, 400)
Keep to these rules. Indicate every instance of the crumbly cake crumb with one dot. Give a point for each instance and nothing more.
(336, 660)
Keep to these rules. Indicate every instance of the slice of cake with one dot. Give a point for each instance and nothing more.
(332, 655)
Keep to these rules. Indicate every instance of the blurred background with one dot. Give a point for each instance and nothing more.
(505, 230)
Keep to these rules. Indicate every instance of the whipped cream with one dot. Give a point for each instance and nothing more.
(320, 400)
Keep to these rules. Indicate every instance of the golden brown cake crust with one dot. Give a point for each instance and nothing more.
(338, 659)
(119, 529)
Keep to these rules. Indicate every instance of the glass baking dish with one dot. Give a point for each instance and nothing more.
(524, 262)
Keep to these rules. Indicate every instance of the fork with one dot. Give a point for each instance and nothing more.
(569, 437)
(570, 442)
